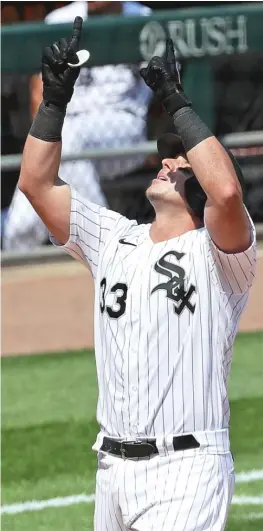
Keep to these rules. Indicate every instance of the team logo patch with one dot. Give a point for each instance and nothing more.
(175, 287)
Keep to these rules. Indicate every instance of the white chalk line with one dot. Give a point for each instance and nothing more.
(247, 500)
(66, 501)
(250, 476)
(39, 505)
(249, 516)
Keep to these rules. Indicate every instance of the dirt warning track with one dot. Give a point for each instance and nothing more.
(49, 307)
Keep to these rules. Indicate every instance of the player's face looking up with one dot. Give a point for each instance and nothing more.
(168, 186)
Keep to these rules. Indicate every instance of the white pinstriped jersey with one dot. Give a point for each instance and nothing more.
(166, 316)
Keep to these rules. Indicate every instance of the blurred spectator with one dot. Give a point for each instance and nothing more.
(108, 110)
(242, 75)
(14, 127)
(9, 144)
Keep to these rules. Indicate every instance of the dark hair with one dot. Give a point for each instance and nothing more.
(195, 196)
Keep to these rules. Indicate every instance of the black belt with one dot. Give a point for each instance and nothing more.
(144, 448)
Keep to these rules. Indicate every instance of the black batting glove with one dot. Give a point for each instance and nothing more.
(163, 77)
(58, 78)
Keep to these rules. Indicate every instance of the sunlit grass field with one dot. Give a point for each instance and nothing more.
(49, 426)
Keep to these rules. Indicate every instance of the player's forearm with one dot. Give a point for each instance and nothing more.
(209, 160)
(42, 152)
(40, 164)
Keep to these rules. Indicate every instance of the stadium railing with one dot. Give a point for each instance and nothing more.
(232, 140)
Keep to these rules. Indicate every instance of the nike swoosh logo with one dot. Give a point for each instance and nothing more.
(122, 240)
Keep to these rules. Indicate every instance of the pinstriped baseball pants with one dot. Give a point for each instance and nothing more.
(184, 491)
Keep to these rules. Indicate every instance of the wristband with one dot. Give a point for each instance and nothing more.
(48, 123)
(175, 101)
(190, 128)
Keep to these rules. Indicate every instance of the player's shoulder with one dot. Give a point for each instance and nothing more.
(127, 231)
(79, 8)
(67, 13)
(194, 244)
(135, 8)
(131, 228)
(193, 239)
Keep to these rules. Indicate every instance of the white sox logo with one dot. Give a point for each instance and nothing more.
(175, 287)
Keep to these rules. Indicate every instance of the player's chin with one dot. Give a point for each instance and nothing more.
(150, 196)
(154, 191)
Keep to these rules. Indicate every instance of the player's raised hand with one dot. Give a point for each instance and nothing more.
(61, 67)
(162, 74)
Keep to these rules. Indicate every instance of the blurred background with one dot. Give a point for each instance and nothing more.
(109, 155)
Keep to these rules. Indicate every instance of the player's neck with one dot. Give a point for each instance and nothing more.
(169, 225)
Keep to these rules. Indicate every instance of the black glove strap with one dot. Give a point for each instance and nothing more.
(176, 101)
(48, 123)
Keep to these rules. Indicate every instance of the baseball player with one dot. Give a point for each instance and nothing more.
(168, 299)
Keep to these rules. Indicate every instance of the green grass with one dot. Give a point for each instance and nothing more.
(49, 426)
(239, 519)
(74, 518)
(37, 389)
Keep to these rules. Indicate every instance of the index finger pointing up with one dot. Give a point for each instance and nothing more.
(170, 51)
(76, 34)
